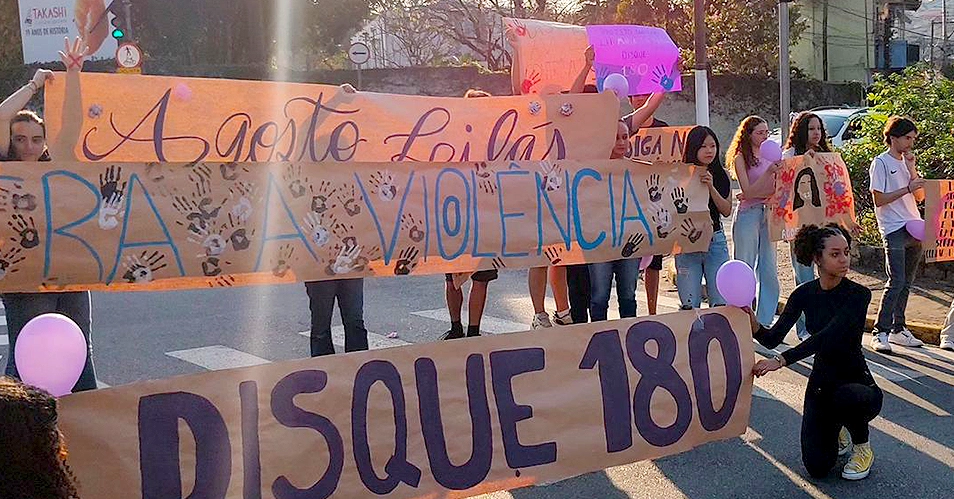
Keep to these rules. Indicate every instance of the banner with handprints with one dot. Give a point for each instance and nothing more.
(810, 190)
(550, 54)
(174, 119)
(148, 226)
(439, 419)
(939, 221)
(646, 56)
(665, 144)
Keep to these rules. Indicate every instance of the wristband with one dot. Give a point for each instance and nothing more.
(33, 86)
(781, 360)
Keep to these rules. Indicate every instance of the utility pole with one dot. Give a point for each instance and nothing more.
(702, 63)
(784, 72)
(127, 6)
(933, 61)
(943, 32)
(825, 41)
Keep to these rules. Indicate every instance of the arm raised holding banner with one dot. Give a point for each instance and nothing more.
(580, 83)
(62, 146)
(15, 103)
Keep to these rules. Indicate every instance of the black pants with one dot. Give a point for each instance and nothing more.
(321, 301)
(23, 307)
(853, 406)
(578, 287)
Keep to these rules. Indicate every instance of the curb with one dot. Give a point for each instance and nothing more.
(928, 333)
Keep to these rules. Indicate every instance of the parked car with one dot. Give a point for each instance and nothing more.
(842, 124)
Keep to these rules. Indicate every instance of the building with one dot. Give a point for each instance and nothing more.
(845, 38)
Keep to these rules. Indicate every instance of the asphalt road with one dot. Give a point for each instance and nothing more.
(142, 336)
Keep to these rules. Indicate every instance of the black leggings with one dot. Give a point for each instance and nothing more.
(852, 406)
(578, 287)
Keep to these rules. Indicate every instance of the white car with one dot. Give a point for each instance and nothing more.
(841, 123)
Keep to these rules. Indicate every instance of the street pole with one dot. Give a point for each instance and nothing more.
(784, 72)
(943, 32)
(127, 6)
(702, 64)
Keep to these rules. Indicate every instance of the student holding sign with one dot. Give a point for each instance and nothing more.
(750, 230)
(702, 149)
(841, 397)
(897, 187)
(808, 136)
(947, 333)
(625, 270)
(23, 138)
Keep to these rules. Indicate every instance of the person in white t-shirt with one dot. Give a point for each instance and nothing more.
(896, 187)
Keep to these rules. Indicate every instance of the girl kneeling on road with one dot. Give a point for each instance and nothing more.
(841, 397)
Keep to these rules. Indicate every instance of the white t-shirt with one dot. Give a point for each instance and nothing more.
(888, 174)
(788, 153)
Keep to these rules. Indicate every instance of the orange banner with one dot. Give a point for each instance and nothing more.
(939, 221)
(158, 226)
(174, 119)
(420, 421)
(550, 55)
(811, 191)
(665, 144)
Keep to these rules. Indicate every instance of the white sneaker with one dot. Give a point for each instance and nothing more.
(947, 342)
(541, 320)
(879, 343)
(904, 338)
(562, 318)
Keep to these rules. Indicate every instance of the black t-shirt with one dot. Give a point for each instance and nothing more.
(720, 179)
(629, 123)
(835, 320)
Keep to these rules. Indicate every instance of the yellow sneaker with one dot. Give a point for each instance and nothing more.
(844, 442)
(859, 465)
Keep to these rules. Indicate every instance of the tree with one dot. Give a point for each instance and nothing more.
(11, 50)
(742, 35)
(477, 25)
(408, 25)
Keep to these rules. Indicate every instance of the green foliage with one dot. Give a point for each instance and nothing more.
(11, 53)
(922, 94)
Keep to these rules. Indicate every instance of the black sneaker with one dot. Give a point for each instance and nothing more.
(452, 335)
(471, 335)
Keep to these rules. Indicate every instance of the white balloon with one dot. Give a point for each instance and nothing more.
(618, 84)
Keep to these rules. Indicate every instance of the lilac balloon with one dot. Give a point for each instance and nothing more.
(736, 283)
(770, 151)
(645, 262)
(618, 84)
(916, 229)
(50, 353)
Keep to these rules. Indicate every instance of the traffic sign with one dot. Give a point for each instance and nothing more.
(128, 56)
(359, 53)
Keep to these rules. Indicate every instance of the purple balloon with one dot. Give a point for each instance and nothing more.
(645, 262)
(916, 229)
(770, 151)
(736, 283)
(50, 353)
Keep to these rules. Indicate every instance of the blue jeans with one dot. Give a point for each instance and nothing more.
(601, 282)
(754, 247)
(692, 267)
(803, 274)
(22, 307)
(902, 254)
(321, 301)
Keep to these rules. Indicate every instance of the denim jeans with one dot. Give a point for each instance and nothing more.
(692, 267)
(601, 282)
(802, 274)
(902, 256)
(22, 307)
(754, 247)
(321, 299)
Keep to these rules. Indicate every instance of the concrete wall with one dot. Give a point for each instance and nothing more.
(731, 98)
(850, 44)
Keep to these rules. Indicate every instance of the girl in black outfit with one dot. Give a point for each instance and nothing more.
(841, 397)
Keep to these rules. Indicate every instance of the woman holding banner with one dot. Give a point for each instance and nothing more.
(702, 149)
(807, 137)
(625, 270)
(23, 138)
(841, 397)
(750, 230)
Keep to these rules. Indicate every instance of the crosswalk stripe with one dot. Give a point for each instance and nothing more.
(893, 374)
(4, 340)
(217, 357)
(488, 323)
(375, 341)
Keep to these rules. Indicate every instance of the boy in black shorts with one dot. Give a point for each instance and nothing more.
(475, 307)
